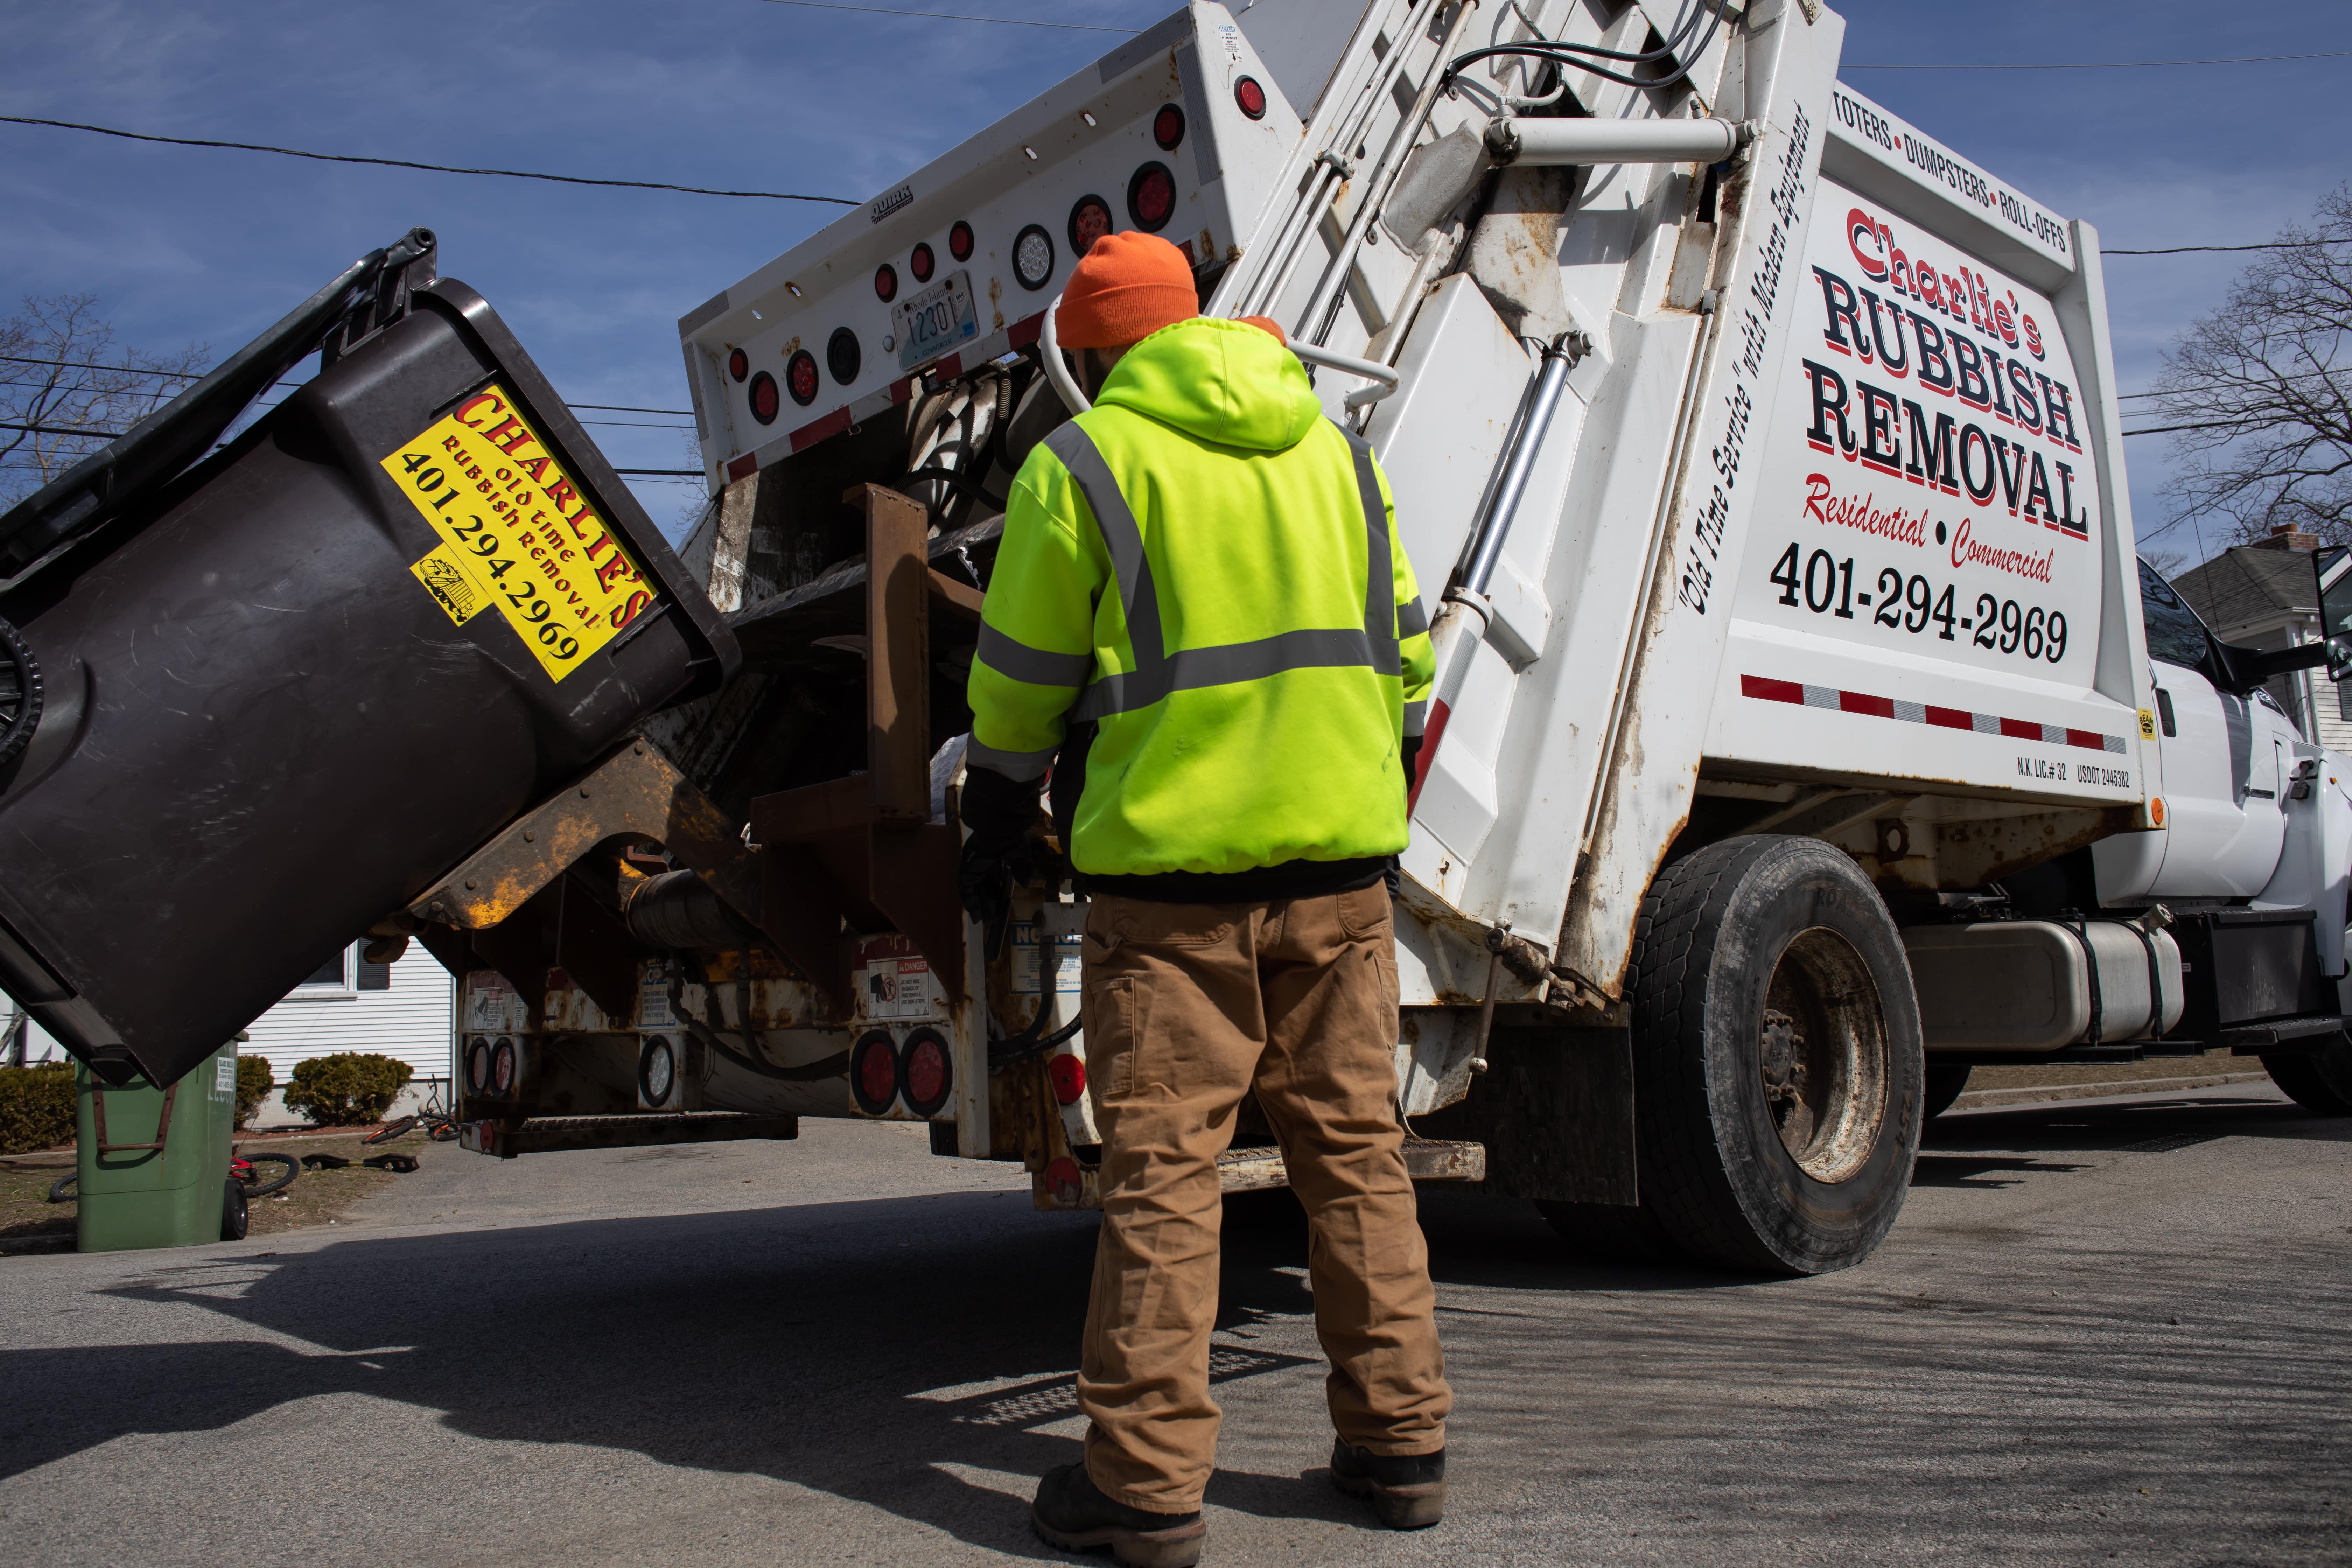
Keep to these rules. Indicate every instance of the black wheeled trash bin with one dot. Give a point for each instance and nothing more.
(269, 695)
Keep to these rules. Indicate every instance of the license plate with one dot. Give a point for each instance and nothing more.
(931, 324)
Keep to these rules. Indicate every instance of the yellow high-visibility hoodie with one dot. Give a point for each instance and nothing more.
(1206, 570)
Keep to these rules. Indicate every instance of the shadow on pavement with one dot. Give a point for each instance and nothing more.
(1983, 1171)
(882, 1350)
(871, 1349)
(2120, 1125)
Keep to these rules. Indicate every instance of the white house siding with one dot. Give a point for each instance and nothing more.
(408, 1020)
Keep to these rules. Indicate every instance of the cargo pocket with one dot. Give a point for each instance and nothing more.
(1110, 1041)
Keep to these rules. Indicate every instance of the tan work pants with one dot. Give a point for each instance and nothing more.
(1188, 1008)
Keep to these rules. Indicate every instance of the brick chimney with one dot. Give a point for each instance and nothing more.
(2286, 536)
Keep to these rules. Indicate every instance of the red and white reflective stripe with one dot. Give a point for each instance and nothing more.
(1831, 698)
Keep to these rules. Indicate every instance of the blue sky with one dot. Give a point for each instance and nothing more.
(183, 244)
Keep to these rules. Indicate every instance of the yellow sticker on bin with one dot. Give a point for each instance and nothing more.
(517, 533)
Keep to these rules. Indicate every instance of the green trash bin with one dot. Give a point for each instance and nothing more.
(153, 1163)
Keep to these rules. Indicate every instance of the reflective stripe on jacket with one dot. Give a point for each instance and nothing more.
(1207, 569)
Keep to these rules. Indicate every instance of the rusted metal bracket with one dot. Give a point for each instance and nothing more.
(635, 791)
(867, 843)
(551, 1134)
(961, 599)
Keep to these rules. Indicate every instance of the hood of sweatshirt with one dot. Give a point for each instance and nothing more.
(1219, 381)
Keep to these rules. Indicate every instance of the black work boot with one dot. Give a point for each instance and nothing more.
(1408, 1490)
(1072, 1513)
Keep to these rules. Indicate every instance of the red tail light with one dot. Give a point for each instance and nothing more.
(1167, 127)
(800, 378)
(1065, 1181)
(921, 264)
(1068, 1074)
(764, 402)
(885, 283)
(960, 241)
(925, 1072)
(874, 1072)
(477, 1064)
(1151, 197)
(1250, 97)
(1089, 221)
(502, 1067)
(739, 365)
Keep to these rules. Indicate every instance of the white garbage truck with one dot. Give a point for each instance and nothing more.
(1806, 729)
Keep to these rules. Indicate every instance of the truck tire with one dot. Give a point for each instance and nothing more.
(1945, 1082)
(1778, 1070)
(2318, 1080)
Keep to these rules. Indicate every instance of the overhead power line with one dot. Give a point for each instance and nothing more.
(2106, 65)
(662, 473)
(953, 16)
(2207, 425)
(57, 430)
(429, 168)
(198, 375)
(126, 369)
(2266, 245)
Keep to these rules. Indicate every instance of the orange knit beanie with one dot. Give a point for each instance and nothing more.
(1127, 287)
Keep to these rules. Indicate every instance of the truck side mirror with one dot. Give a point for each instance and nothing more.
(2333, 567)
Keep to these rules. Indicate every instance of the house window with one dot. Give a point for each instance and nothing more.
(331, 978)
(345, 973)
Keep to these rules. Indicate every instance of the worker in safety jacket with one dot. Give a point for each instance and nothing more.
(1201, 621)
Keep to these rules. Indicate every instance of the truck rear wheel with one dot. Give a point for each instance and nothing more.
(1777, 1058)
(2319, 1080)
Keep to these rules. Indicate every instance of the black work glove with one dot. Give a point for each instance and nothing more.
(997, 855)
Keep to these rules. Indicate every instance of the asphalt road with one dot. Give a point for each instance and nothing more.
(2100, 1334)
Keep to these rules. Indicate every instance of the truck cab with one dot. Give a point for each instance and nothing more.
(2224, 752)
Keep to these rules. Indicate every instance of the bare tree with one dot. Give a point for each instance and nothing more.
(67, 388)
(2264, 388)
